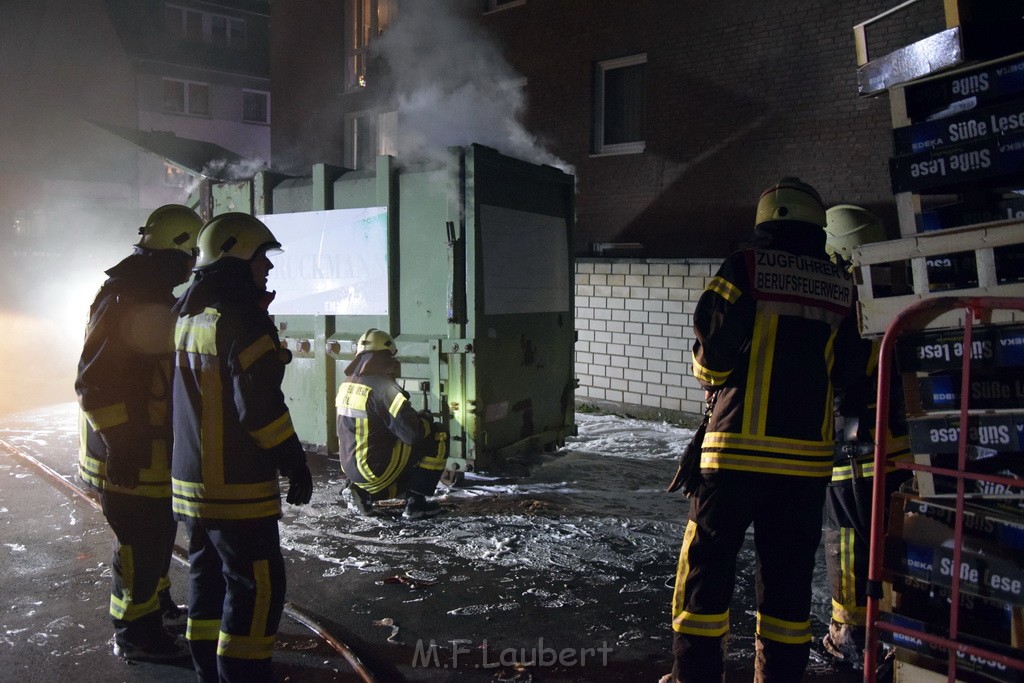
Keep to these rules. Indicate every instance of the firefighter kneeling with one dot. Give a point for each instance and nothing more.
(387, 449)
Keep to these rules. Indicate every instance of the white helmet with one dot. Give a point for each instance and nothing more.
(849, 226)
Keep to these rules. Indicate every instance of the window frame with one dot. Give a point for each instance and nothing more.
(205, 32)
(365, 21)
(383, 129)
(186, 98)
(600, 148)
(266, 105)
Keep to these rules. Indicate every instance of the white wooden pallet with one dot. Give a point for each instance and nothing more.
(909, 255)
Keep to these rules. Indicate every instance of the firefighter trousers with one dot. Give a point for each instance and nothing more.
(786, 514)
(421, 474)
(144, 531)
(847, 544)
(236, 597)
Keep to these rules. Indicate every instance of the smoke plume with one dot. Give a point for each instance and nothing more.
(452, 86)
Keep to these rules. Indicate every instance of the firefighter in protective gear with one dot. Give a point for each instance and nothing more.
(387, 449)
(848, 497)
(123, 386)
(774, 335)
(233, 435)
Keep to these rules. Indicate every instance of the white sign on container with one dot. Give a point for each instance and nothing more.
(334, 262)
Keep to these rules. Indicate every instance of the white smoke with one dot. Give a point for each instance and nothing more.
(453, 87)
(244, 169)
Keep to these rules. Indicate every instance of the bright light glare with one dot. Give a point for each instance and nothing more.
(40, 350)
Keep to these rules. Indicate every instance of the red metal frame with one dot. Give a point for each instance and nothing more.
(914, 317)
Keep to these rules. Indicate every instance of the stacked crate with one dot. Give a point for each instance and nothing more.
(919, 554)
(957, 168)
(957, 172)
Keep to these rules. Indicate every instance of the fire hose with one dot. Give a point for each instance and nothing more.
(180, 554)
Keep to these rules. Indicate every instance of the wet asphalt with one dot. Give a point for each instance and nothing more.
(412, 602)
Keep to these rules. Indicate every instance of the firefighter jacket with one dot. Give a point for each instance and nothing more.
(775, 333)
(124, 372)
(377, 426)
(232, 430)
(857, 403)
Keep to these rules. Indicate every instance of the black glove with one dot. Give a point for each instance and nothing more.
(300, 484)
(122, 461)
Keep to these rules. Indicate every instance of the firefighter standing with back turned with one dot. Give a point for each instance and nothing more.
(775, 332)
(123, 387)
(232, 435)
(849, 494)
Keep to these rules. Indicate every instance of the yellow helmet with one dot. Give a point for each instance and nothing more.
(171, 226)
(849, 226)
(790, 199)
(233, 235)
(376, 340)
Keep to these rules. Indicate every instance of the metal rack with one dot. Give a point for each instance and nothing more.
(915, 317)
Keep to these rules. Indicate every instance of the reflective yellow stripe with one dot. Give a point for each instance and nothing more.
(762, 353)
(724, 289)
(847, 577)
(433, 463)
(119, 606)
(197, 333)
(254, 351)
(850, 615)
(682, 570)
(274, 433)
(211, 427)
(399, 459)
(769, 454)
(234, 501)
(107, 417)
(828, 420)
(865, 468)
(352, 396)
(229, 492)
(202, 629)
(128, 610)
(707, 625)
(769, 444)
(397, 404)
(845, 610)
(209, 510)
(766, 465)
(362, 448)
(782, 631)
(261, 606)
(709, 377)
(245, 647)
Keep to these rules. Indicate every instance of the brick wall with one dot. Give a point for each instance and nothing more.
(634, 318)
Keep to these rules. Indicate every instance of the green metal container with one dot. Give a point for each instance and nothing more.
(468, 264)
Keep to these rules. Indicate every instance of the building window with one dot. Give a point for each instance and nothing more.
(619, 106)
(368, 135)
(204, 27)
(366, 19)
(176, 177)
(255, 106)
(186, 97)
(360, 140)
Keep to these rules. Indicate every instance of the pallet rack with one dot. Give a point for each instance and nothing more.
(957, 176)
(915, 317)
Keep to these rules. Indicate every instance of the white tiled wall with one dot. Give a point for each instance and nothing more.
(635, 324)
